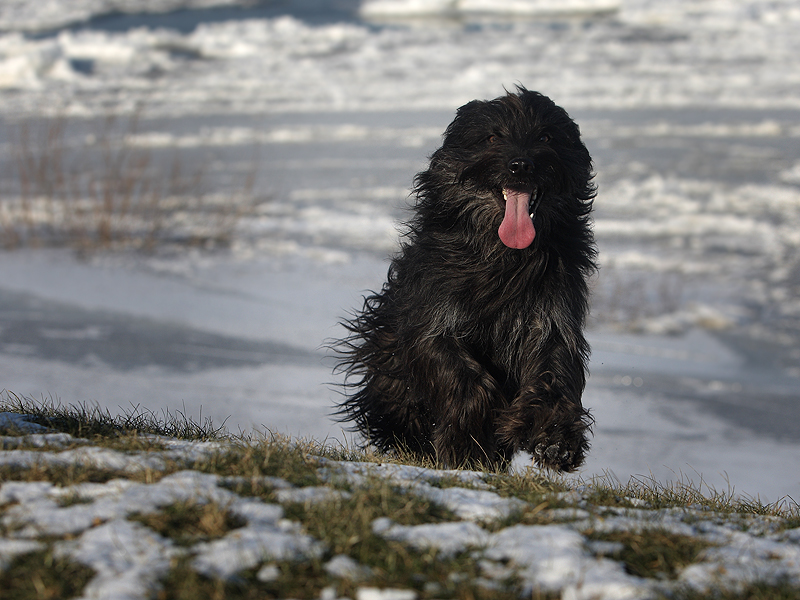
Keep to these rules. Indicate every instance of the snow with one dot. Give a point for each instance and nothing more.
(129, 558)
(360, 472)
(689, 108)
(643, 426)
(724, 53)
(741, 558)
(469, 504)
(18, 422)
(552, 558)
(310, 494)
(451, 8)
(51, 14)
(113, 500)
(448, 538)
(481, 505)
(344, 567)
(101, 458)
(368, 593)
(246, 547)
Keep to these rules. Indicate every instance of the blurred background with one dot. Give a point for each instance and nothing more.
(194, 192)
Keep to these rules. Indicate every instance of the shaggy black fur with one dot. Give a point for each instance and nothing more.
(474, 348)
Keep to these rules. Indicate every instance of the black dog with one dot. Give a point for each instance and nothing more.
(474, 349)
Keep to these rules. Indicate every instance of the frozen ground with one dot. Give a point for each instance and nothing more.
(241, 341)
(96, 524)
(692, 112)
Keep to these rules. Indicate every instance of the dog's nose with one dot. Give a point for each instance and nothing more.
(520, 166)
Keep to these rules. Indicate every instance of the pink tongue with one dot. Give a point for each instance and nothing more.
(516, 230)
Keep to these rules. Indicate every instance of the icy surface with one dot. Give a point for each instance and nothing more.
(690, 110)
(15, 422)
(51, 14)
(450, 8)
(648, 53)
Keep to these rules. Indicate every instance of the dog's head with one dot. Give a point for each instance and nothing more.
(516, 162)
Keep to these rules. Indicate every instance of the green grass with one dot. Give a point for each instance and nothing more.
(425, 573)
(344, 524)
(99, 425)
(189, 523)
(782, 590)
(75, 474)
(251, 456)
(41, 576)
(273, 456)
(653, 553)
(307, 580)
(643, 492)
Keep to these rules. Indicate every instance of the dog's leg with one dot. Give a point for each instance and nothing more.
(463, 398)
(546, 418)
(384, 407)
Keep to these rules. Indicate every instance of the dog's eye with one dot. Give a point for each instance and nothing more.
(545, 138)
(492, 139)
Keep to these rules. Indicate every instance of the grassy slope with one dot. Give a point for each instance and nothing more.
(344, 523)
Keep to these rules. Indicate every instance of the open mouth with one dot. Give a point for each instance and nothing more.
(533, 202)
(533, 193)
(519, 207)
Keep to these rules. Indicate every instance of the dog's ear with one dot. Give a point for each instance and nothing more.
(470, 126)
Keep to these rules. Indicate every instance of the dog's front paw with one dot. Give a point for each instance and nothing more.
(561, 454)
(553, 457)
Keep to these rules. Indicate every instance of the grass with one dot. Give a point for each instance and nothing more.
(252, 456)
(132, 432)
(781, 590)
(243, 459)
(344, 524)
(76, 474)
(98, 189)
(654, 553)
(310, 581)
(42, 576)
(649, 493)
(189, 523)
(428, 576)
(269, 456)
(98, 424)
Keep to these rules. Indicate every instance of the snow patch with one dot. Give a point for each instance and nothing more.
(454, 8)
(19, 422)
(448, 538)
(129, 559)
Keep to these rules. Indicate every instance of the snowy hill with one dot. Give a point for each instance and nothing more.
(141, 515)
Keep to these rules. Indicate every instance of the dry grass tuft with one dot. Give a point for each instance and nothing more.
(42, 576)
(652, 553)
(93, 422)
(189, 523)
(97, 189)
